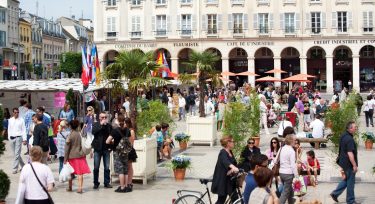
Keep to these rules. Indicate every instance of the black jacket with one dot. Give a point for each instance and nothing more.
(41, 133)
(101, 133)
(221, 183)
(246, 156)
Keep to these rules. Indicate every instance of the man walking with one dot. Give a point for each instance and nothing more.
(101, 131)
(40, 135)
(181, 107)
(17, 136)
(348, 161)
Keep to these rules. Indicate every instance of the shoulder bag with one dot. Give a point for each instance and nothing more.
(276, 166)
(45, 190)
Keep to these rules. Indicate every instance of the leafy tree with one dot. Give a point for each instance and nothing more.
(255, 114)
(204, 62)
(1, 118)
(70, 63)
(136, 67)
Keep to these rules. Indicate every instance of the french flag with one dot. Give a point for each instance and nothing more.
(85, 77)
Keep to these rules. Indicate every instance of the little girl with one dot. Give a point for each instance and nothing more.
(312, 165)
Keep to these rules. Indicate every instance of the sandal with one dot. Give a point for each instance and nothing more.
(80, 191)
(69, 190)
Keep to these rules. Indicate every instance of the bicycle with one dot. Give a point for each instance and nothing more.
(196, 197)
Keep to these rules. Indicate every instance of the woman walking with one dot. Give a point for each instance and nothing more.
(132, 155)
(75, 157)
(31, 173)
(368, 108)
(225, 166)
(288, 168)
(62, 135)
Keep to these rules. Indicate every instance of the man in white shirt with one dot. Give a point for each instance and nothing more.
(17, 136)
(317, 127)
(181, 107)
(209, 108)
(126, 105)
(285, 123)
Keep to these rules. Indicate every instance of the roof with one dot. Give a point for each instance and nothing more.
(47, 85)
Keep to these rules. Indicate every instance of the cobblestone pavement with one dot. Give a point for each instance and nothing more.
(164, 188)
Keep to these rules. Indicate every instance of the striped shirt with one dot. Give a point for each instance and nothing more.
(28, 120)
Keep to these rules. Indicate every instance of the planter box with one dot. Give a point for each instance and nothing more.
(202, 130)
(145, 167)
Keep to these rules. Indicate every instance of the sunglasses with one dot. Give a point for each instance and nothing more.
(250, 143)
(274, 142)
(89, 110)
(16, 112)
(103, 117)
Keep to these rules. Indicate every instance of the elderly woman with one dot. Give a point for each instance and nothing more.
(34, 191)
(288, 168)
(225, 166)
(75, 157)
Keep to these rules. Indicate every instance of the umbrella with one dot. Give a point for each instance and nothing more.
(247, 74)
(305, 75)
(297, 78)
(227, 73)
(268, 78)
(274, 71)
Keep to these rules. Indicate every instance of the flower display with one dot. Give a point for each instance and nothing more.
(180, 162)
(182, 137)
(297, 185)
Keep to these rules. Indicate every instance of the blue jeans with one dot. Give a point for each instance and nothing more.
(348, 183)
(61, 163)
(97, 156)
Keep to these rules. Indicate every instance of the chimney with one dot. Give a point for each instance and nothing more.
(73, 17)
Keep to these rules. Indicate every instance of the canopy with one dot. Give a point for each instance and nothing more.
(305, 75)
(247, 74)
(274, 71)
(297, 78)
(49, 85)
(227, 73)
(268, 78)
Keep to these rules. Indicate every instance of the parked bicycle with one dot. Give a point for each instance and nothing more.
(197, 197)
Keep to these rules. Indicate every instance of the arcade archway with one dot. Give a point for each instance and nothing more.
(316, 65)
(109, 57)
(183, 57)
(263, 61)
(290, 62)
(367, 67)
(342, 67)
(237, 64)
(219, 64)
(166, 55)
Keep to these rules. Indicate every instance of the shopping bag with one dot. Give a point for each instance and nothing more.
(299, 186)
(86, 145)
(21, 193)
(65, 173)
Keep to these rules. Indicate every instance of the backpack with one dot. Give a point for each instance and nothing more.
(124, 146)
(44, 139)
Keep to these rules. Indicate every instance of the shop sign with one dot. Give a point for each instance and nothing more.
(254, 43)
(339, 42)
(186, 44)
(135, 45)
(59, 99)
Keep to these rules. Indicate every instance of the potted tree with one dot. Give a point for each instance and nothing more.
(4, 178)
(254, 117)
(182, 139)
(179, 164)
(369, 139)
(202, 129)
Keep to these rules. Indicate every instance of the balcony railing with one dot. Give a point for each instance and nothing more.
(342, 1)
(212, 32)
(161, 33)
(111, 34)
(185, 32)
(263, 30)
(238, 2)
(136, 34)
(316, 30)
(290, 29)
(263, 2)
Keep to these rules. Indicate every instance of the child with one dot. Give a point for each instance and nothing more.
(159, 140)
(312, 165)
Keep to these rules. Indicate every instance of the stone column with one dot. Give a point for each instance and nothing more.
(251, 68)
(329, 71)
(225, 67)
(356, 74)
(277, 65)
(174, 62)
(303, 64)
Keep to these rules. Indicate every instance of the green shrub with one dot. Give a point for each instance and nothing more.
(237, 124)
(1, 118)
(5, 185)
(2, 145)
(255, 114)
(156, 113)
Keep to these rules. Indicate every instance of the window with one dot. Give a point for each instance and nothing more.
(315, 1)
(136, 2)
(237, 23)
(367, 52)
(136, 27)
(315, 22)
(342, 21)
(3, 41)
(342, 54)
(185, 1)
(111, 27)
(367, 21)
(161, 25)
(111, 2)
(263, 23)
(186, 24)
(212, 24)
(289, 22)
(211, 1)
(161, 2)
(2, 16)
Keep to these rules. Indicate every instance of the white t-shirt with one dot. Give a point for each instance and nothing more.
(126, 105)
(318, 128)
(33, 189)
(283, 124)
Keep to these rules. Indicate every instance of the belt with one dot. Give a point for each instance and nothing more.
(12, 138)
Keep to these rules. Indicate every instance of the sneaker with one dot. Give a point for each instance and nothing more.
(96, 186)
(130, 187)
(118, 189)
(14, 172)
(108, 186)
(334, 198)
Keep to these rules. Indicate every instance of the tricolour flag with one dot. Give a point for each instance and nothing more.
(95, 64)
(85, 69)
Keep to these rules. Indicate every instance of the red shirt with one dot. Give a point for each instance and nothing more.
(55, 126)
(312, 162)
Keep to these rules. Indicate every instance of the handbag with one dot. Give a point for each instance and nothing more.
(276, 166)
(85, 143)
(45, 190)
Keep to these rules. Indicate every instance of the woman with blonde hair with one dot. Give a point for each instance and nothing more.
(225, 167)
(36, 179)
(75, 156)
(62, 135)
(66, 113)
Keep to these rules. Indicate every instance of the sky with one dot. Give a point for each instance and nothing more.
(57, 8)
